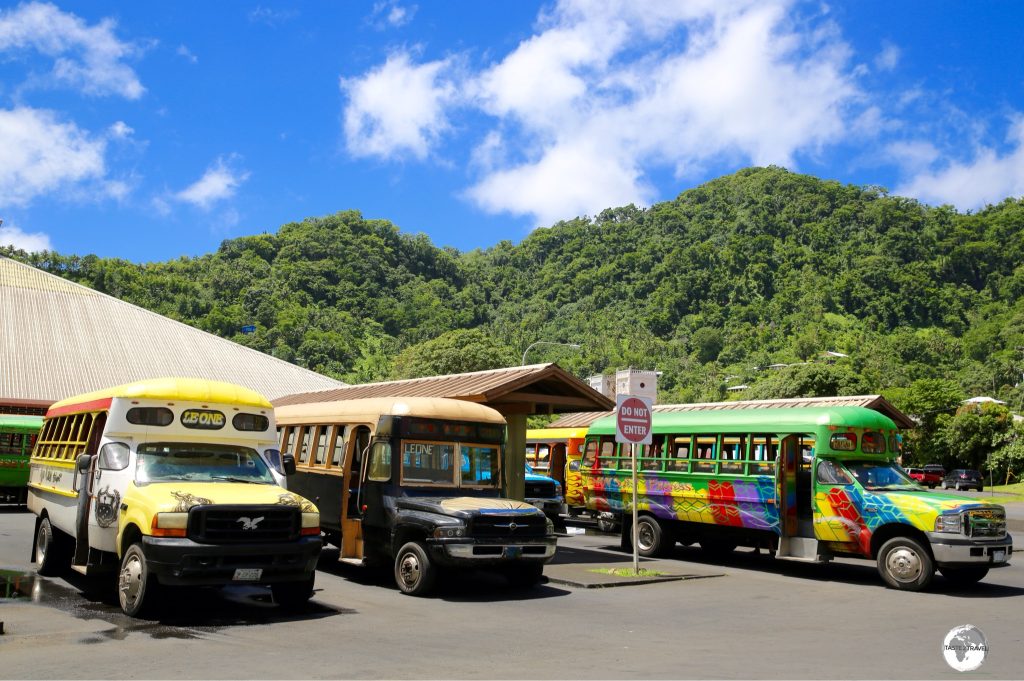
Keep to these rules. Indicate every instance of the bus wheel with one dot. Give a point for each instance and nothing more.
(52, 550)
(137, 588)
(716, 547)
(650, 538)
(905, 564)
(528, 574)
(414, 572)
(964, 576)
(292, 595)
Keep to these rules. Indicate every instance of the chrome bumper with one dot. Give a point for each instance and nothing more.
(959, 550)
(500, 551)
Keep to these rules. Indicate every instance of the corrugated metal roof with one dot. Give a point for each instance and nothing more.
(547, 387)
(59, 339)
(876, 402)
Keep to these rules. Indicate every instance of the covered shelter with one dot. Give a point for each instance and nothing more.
(875, 402)
(515, 392)
(59, 339)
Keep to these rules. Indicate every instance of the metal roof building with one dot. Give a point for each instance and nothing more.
(59, 339)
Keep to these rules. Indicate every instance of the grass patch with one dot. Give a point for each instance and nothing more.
(628, 572)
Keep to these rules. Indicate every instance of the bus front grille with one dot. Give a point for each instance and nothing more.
(986, 523)
(508, 526)
(243, 524)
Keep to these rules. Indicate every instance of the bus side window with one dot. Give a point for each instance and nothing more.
(607, 458)
(305, 435)
(679, 452)
(321, 445)
(733, 449)
(590, 454)
(337, 456)
(651, 455)
(704, 454)
(761, 456)
(831, 474)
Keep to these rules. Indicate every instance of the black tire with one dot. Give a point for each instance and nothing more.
(52, 549)
(964, 576)
(981, 488)
(905, 564)
(415, 573)
(138, 589)
(652, 540)
(525, 575)
(292, 595)
(717, 547)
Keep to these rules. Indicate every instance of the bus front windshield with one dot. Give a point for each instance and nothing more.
(200, 462)
(880, 475)
(450, 464)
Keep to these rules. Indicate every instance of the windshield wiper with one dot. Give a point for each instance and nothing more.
(235, 478)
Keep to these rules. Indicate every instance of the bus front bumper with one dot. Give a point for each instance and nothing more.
(488, 552)
(181, 561)
(956, 550)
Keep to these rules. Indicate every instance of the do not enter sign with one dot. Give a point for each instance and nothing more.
(633, 420)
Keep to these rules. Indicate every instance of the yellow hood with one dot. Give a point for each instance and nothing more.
(181, 496)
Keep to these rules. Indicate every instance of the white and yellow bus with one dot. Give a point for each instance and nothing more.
(167, 482)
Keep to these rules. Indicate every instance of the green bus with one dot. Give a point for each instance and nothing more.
(807, 484)
(17, 437)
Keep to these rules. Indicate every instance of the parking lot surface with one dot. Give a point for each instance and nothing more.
(747, 616)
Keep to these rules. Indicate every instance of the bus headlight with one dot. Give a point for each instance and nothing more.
(310, 524)
(169, 524)
(449, 532)
(949, 522)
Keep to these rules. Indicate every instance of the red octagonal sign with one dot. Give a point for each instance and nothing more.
(633, 420)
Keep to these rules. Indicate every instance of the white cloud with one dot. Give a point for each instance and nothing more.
(120, 130)
(42, 154)
(186, 54)
(35, 242)
(989, 177)
(889, 58)
(611, 89)
(219, 182)
(90, 58)
(271, 17)
(397, 109)
(391, 14)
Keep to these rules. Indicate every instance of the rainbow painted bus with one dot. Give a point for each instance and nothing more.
(807, 484)
(557, 452)
(18, 435)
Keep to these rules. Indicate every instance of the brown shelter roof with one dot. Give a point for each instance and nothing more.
(533, 389)
(876, 402)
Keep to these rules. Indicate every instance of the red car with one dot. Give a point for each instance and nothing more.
(929, 476)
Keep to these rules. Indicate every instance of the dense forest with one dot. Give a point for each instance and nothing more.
(764, 267)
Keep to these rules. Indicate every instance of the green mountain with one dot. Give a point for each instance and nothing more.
(753, 269)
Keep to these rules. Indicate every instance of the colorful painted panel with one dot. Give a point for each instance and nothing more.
(748, 503)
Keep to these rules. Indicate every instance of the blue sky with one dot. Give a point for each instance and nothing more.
(153, 130)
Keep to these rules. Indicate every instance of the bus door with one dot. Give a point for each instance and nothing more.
(794, 486)
(557, 466)
(110, 476)
(787, 486)
(351, 503)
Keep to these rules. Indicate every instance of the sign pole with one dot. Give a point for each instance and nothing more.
(633, 427)
(636, 515)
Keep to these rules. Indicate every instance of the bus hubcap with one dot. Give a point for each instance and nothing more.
(130, 582)
(410, 569)
(904, 564)
(645, 536)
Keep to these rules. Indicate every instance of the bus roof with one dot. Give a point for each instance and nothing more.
(554, 433)
(20, 423)
(170, 388)
(758, 419)
(370, 409)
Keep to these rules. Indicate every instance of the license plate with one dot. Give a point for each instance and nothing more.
(512, 551)
(247, 574)
(998, 556)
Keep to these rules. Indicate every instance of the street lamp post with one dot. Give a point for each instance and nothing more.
(531, 345)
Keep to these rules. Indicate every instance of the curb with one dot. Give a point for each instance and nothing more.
(613, 581)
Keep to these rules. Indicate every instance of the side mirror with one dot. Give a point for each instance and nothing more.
(288, 463)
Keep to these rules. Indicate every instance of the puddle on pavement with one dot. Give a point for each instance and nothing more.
(186, 614)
